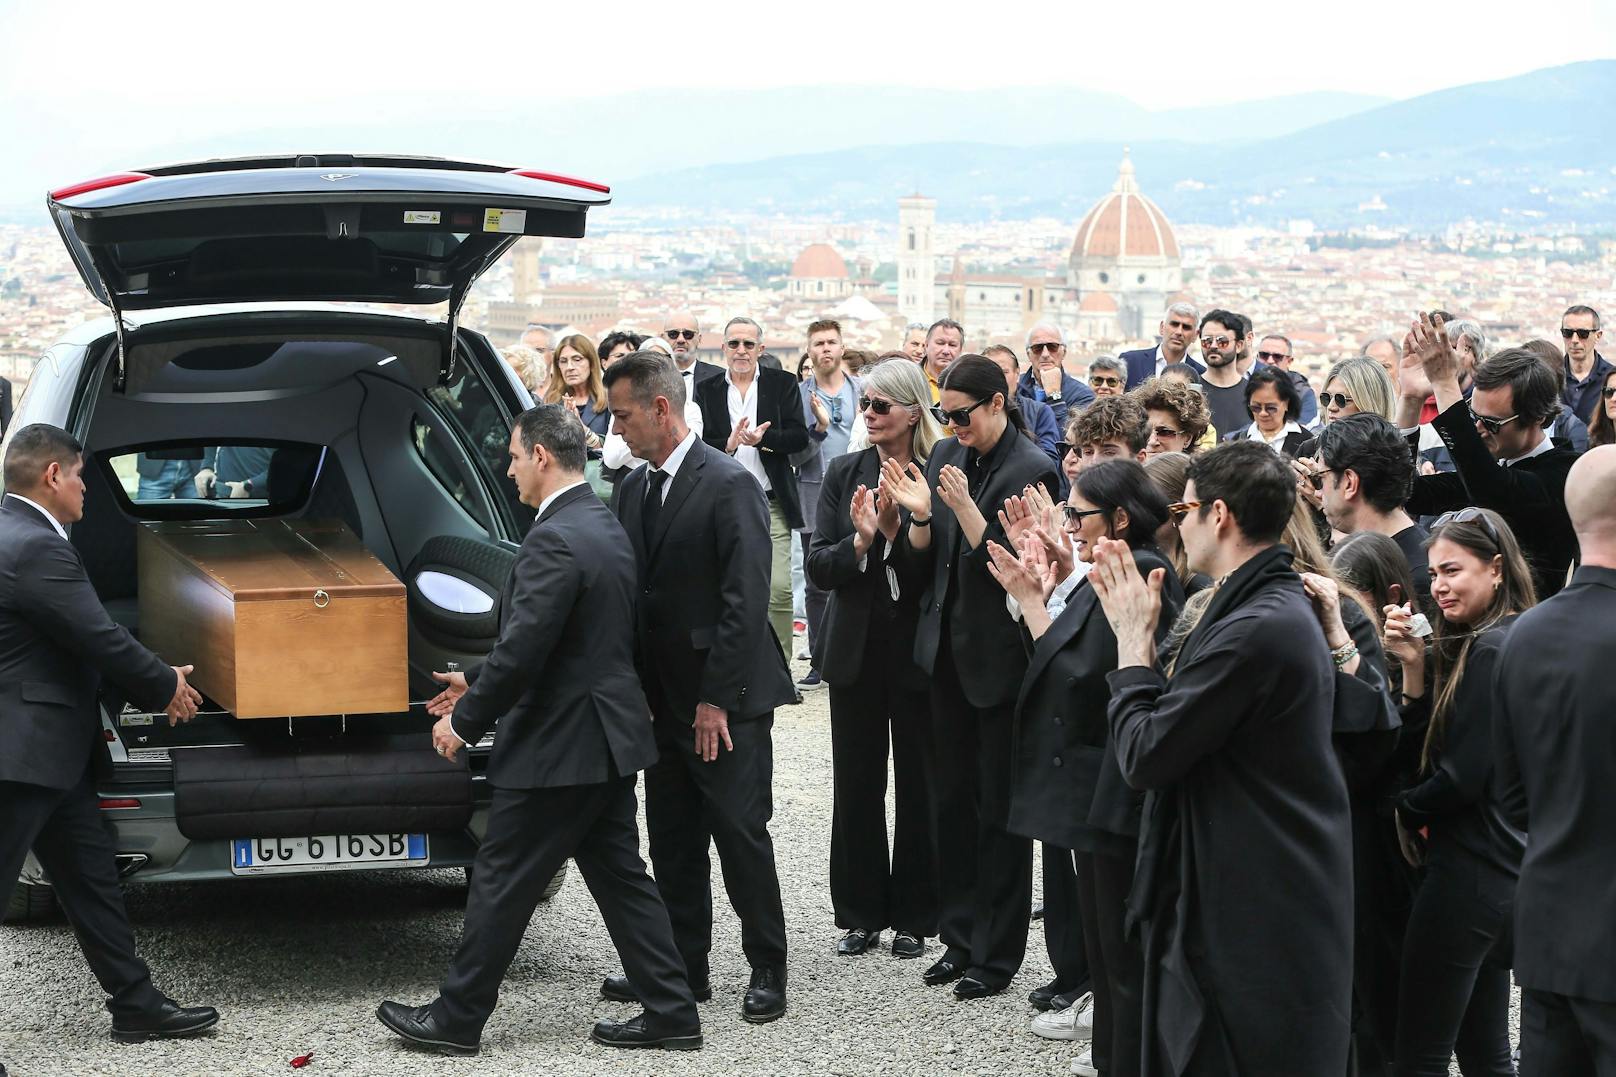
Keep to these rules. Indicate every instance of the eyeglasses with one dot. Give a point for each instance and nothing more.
(1216, 342)
(1608, 392)
(1341, 400)
(1580, 334)
(741, 345)
(1044, 346)
(1493, 425)
(1074, 515)
(1105, 383)
(1180, 509)
(875, 404)
(1062, 448)
(679, 334)
(957, 417)
(1165, 432)
(1316, 480)
(1265, 409)
(1273, 357)
(1471, 515)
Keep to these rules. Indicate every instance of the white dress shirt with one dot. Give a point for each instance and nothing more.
(675, 460)
(1277, 442)
(745, 405)
(54, 522)
(614, 451)
(1542, 447)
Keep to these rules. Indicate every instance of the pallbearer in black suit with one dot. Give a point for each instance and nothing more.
(699, 527)
(878, 696)
(1067, 788)
(56, 644)
(1556, 743)
(972, 648)
(573, 730)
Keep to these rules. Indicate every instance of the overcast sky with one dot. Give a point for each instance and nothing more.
(93, 80)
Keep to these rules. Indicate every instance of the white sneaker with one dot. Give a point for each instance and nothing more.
(1083, 1065)
(1075, 1022)
(803, 654)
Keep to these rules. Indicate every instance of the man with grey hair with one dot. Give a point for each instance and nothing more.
(1276, 350)
(1175, 335)
(682, 332)
(1387, 352)
(914, 341)
(1046, 380)
(1108, 375)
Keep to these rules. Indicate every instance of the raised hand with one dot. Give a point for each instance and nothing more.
(821, 413)
(1018, 579)
(1434, 351)
(186, 701)
(1017, 518)
(862, 512)
(1044, 506)
(1412, 381)
(737, 434)
(886, 512)
(1132, 604)
(954, 488)
(1050, 378)
(443, 704)
(1062, 559)
(1305, 469)
(1036, 557)
(907, 486)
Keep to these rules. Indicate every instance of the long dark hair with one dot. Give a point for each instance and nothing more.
(1124, 484)
(1374, 564)
(979, 377)
(1602, 431)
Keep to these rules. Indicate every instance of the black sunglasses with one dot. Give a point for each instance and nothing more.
(957, 417)
(1608, 392)
(1272, 357)
(1062, 448)
(1342, 400)
(1041, 346)
(875, 404)
(1471, 515)
(1317, 478)
(679, 334)
(1493, 425)
(1580, 334)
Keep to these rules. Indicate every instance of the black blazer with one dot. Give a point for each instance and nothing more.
(1067, 788)
(56, 643)
(1293, 445)
(702, 626)
(5, 406)
(986, 643)
(560, 682)
(1530, 495)
(1554, 741)
(860, 604)
(1142, 365)
(779, 405)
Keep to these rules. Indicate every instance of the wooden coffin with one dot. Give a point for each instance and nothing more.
(280, 617)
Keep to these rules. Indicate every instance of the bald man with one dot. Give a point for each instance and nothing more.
(683, 333)
(1556, 733)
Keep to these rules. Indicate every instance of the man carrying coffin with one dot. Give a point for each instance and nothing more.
(574, 730)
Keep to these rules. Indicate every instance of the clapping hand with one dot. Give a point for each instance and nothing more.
(443, 704)
(1434, 351)
(186, 701)
(886, 512)
(1035, 555)
(1019, 580)
(955, 489)
(745, 434)
(1017, 517)
(1132, 604)
(1412, 381)
(907, 487)
(865, 521)
(821, 413)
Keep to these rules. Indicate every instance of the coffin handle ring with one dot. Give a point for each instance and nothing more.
(321, 599)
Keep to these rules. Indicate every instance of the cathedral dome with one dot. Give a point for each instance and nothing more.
(1124, 225)
(819, 261)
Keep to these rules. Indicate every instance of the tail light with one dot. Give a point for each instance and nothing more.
(115, 803)
(570, 181)
(117, 179)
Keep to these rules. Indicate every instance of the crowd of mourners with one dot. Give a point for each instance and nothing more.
(1297, 690)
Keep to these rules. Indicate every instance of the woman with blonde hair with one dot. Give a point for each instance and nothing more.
(530, 366)
(578, 384)
(878, 696)
(1355, 385)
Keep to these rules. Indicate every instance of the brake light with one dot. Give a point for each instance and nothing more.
(113, 803)
(117, 179)
(570, 181)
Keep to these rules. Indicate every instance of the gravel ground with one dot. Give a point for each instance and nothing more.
(298, 965)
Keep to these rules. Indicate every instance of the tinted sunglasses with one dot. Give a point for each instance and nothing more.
(679, 334)
(1062, 448)
(1492, 425)
(957, 417)
(1580, 334)
(1341, 400)
(876, 404)
(741, 345)
(1316, 480)
(1273, 357)
(1165, 432)
(1265, 409)
(1180, 509)
(1034, 349)
(1471, 515)
(1608, 392)
(1100, 382)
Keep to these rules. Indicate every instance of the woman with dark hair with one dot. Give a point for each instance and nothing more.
(1170, 471)
(1602, 431)
(1454, 988)
(1274, 406)
(972, 651)
(616, 344)
(1067, 789)
(1376, 567)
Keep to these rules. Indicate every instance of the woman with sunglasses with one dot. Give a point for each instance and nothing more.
(1454, 988)
(1067, 789)
(878, 696)
(1602, 431)
(1273, 404)
(971, 649)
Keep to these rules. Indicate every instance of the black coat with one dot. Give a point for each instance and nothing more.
(56, 643)
(561, 682)
(1244, 883)
(1067, 789)
(1555, 746)
(860, 601)
(5, 406)
(986, 642)
(780, 405)
(1142, 365)
(1530, 495)
(702, 627)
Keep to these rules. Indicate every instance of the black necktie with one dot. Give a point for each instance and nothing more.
(653, 504)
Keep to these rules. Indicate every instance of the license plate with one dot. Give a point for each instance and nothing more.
(330, 852)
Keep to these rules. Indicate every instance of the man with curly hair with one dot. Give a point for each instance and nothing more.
(1112, 428)
(1176, 415)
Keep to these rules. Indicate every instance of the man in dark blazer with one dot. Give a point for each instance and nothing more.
(56, 644)
(574, 731)
(713, 673)
(1177, 332)
(5, 405)
(1045, 379)
(1555, 735)
(1503, 457)
(755, 415)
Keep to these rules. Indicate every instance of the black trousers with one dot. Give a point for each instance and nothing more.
(986, 871)
(1115, 963)
(691, 805)
(69, 838)
(1453, 995)
(866, 888)
(1063, 924)
(1563, 1036)
(531, 833)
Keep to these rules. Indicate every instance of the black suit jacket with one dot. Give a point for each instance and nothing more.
(5, 405)
(56, 643)
(1142, 365)
(860, 604)
(1555, 741)
(779, 405)
(702, 626)
(987, 649)
(1530, 495)
(560, 682)
(1295, 444)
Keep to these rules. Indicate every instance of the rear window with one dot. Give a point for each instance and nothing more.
(178, 480)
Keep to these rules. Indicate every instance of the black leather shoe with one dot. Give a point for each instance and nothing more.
(1067, 998)
(1043, 998)
(618, 989)
(857, 941)
(907, 944)
(639, 1032)
(971, 987)
(943, 972)
(766, 998)
(416, 1024)
(168, 1021)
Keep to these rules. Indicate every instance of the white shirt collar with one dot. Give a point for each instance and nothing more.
(546, 502)
(1542, 447)
(1285, 431)
(54, 522)
(1161, 359)
(676, 458)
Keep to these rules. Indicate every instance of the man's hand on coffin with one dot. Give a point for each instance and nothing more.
(445, 740)
(442, 705)
(183, 707)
